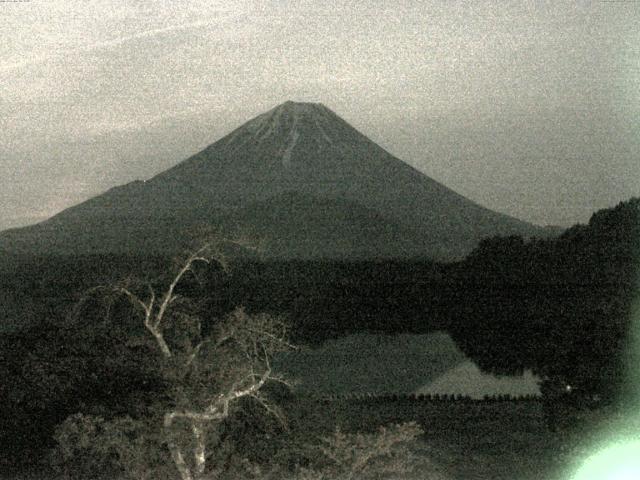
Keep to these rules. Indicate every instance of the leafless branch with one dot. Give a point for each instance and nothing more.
(276, 413)
(245, 344)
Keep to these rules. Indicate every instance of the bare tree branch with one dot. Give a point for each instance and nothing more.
(270, 408)
(168, 296)
(236, 358)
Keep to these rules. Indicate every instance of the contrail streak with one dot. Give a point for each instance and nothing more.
(106, 44)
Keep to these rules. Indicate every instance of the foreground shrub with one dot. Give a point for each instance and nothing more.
(88, 444)
(382, 455)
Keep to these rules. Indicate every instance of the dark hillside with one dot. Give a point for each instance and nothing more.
(561, 307)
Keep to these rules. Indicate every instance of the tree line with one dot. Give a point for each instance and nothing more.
(562, 307)
(421, 397)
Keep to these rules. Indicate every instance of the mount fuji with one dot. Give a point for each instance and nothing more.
(300, 178)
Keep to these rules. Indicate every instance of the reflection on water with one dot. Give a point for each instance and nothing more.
(467, 379)
(379, 364)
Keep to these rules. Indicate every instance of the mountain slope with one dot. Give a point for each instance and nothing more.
(295, 147)
(301, 226)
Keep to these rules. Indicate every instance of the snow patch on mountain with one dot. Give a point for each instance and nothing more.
(270, 124)
(322, 132)
(285, 120)
(293, 139)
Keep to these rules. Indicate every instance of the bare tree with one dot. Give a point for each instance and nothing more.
(207, 372)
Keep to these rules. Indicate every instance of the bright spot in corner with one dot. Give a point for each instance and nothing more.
(620, 461)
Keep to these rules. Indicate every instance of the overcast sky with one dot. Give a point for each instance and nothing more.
(530, 108)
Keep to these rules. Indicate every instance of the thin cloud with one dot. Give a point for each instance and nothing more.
(107, 44)
(146, 34)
